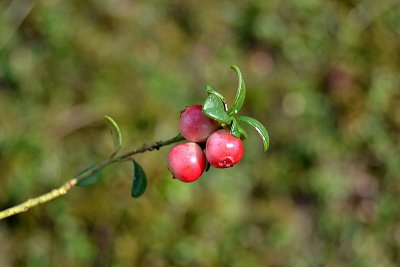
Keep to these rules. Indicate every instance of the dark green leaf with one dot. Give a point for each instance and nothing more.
(211, 90)
(243, 134)
(116, 134)
(214, 108)
(90, 180)
(259, 128)
(208, 165)
(139, 180)
(218, 115)
(237, 130)
(240, 93)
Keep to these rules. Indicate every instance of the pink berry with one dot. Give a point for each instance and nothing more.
(223, 150)
(195, 126)
(186, 161)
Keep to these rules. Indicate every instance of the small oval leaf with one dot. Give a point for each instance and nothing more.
(211, 90)
(208, 165)
(139, 180)
(237, 130)
(214, 108)
(90, 180)
(243, 134)
(259, 128)
(115, 133)
(240, 93)
(218, 115)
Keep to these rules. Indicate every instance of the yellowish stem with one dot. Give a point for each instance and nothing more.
(25, 206)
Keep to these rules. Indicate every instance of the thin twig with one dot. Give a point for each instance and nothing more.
(25, 206)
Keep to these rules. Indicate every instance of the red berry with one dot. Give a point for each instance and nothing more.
(195, 126)
(223, 150)
(186, 161)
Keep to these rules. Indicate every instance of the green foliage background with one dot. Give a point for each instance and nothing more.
(323, 76)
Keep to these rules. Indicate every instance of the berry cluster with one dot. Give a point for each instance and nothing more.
(187, 161)
(214, 135)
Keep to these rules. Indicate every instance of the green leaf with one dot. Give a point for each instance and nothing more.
(139, 180)
(243, 134)
(116, 135)
(214, 108)
(259, 128)
(208, 165)
(90, 180)
(240, 93)
(237, 130)
(211, 90)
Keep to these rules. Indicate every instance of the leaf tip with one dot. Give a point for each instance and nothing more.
(234, 67)
(116, 134)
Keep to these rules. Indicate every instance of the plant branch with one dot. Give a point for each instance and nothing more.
(25, 206)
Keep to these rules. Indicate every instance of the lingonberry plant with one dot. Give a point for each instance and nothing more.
(211, 127)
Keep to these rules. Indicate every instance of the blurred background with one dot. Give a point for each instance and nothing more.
(323, 76)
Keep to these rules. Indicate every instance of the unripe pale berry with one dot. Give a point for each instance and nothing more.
(195, 126)
(223, 150)
(186, 161)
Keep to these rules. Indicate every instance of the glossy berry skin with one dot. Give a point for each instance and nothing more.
(195, 126)
(186, 161)
(223, 150)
